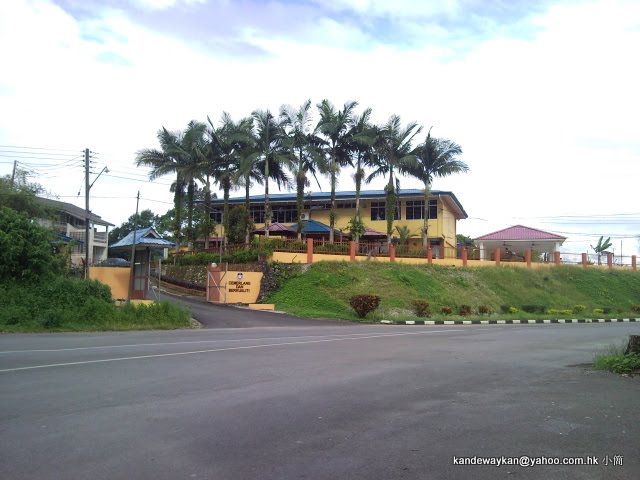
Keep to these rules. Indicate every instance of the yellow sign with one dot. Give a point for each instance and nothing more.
(242, 287)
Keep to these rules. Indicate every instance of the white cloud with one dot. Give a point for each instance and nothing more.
(548, 124)
(165, 4)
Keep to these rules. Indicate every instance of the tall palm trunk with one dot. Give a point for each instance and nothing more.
(267, 204)
(359, 177)
(226, 186)
(190, 194)
(247, 205)
(425, 230)
(207, 211)
(177, 202)
(332, 214)
(300, 184)
(390, 205)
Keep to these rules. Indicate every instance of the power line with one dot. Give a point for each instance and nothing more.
(41, 148)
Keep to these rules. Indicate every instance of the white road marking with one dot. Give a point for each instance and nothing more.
(247, 347)
(125, 345)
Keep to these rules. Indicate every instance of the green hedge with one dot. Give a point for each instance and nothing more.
(242, 256)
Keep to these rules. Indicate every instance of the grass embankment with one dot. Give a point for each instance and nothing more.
(68, 304)
(562, 292)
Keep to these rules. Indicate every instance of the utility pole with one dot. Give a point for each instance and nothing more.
(132, 277)
(13, 175)
(86, 214)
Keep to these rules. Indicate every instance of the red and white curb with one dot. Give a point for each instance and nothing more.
(507, 322)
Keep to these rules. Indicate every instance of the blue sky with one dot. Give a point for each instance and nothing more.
(542, 96)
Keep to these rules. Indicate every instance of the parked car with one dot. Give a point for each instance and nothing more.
(114, 262)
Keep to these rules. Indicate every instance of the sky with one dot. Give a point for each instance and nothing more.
(543, 97)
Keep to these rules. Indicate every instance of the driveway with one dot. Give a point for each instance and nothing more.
(224, 316)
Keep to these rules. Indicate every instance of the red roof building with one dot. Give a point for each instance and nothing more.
(517, 239)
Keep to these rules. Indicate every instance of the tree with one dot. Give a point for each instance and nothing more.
(362, 137)
(465, 241)
(601, 247)
(268, 138)
(436, 157)
(393, 154)
(224, 157)
(20, 195)
(180, 154)
(305, 147)
(334, 125)
(404, 233)
(239, 223)
(26, 254)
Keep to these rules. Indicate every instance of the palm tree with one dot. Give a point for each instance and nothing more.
(362, 137)
(436, 157)
(224, 156)
(304, 144)
(334, 125)
(268, 142)
(179, 154)
(393, 154)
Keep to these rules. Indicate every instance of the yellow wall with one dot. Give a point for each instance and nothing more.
(242, 290)
(116, 277)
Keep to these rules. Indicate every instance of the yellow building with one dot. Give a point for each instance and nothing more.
(444, 211)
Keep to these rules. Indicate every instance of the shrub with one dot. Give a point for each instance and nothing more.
(446, 310)
(513, 310)
(484, 310)
(534, 308)
(364, 304)
(504, 308)
(607, 310)
(555, 311)
(579, 308)
(598, 310)
(619, 363)
(464, 310)
(635, 308)
(421, 308)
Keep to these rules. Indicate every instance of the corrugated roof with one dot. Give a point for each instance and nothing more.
(370, 232)
(313, 226)
(144, 237)
(73, 210)
(277, 227)
(346, 195)
(520, 232)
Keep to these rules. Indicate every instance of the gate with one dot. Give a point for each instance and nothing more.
(216, 285)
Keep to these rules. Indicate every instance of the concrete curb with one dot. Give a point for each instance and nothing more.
(507, 322)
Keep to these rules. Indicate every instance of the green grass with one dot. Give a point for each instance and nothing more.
(325, 288)
(614, 360)
(63, 304)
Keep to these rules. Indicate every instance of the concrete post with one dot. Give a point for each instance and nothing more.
(610, 260)
(584, 260)
(634, 265)
(429, 254)
(496, 256)
(309, 250)
(464, 256)
(392, 253)
(527, 257)
(352, 250)
(556, 258)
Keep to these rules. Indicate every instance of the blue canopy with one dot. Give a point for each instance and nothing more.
(145, 237)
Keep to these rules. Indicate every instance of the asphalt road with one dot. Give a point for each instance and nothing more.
(225, 316)
(332, 402)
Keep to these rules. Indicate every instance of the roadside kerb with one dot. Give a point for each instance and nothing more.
(506, 322)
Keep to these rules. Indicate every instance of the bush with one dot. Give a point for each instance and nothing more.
(534, 308)
(242, 256)
(513, 310)
(635, 308)
(504, 308)
(619, 363)
(446, 310)
(579, 308)
(364, 304)
(556, 311)
(607, 310)
(464, 310)
(598, 310)
(484, 310)
(421, 308)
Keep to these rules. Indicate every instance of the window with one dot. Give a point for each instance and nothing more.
(378, 211)
(415, 209)
(284, 214)
(216, 215)
(346, 205)
(257, 214)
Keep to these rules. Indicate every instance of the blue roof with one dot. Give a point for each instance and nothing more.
(145, 237)
(313, 226)
(346, 195)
